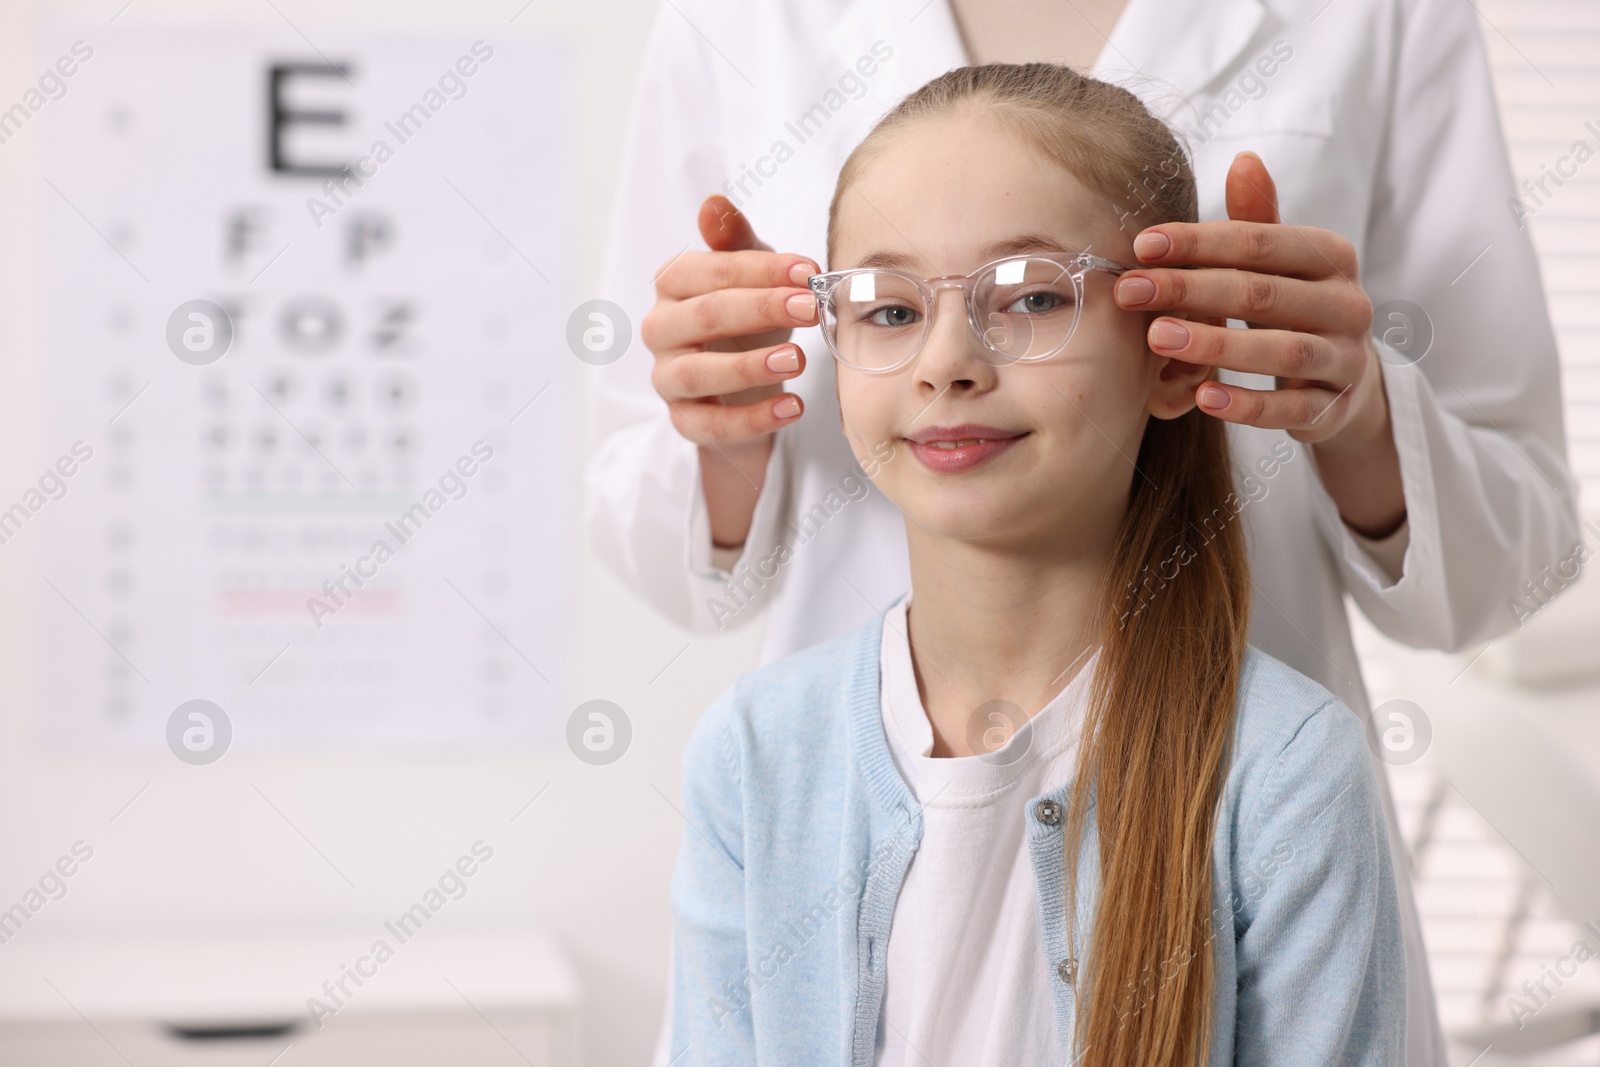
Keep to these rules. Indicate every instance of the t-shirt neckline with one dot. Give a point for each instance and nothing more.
(967, 781)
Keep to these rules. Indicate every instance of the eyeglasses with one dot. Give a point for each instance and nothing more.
(1023, 308)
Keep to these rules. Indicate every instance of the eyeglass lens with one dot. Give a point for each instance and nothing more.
(1027, 308)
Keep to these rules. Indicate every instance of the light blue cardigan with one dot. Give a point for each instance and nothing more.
(800, 829)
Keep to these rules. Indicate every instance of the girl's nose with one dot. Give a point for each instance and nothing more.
(952, 353)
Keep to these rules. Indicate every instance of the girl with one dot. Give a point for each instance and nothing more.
(1050, 807)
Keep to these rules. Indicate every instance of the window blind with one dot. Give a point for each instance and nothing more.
(1547, 81)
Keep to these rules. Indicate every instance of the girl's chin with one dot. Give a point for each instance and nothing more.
(968, 519)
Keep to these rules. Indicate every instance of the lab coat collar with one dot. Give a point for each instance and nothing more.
(1165, 52)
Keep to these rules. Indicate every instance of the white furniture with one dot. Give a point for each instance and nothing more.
(478, 997)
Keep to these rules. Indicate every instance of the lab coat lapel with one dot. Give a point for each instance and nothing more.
(1166, 51)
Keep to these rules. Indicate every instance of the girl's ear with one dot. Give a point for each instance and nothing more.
(1176, 381)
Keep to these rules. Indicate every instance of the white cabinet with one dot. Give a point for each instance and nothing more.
(480, 997)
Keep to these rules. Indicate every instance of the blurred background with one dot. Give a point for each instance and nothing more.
(447, 814)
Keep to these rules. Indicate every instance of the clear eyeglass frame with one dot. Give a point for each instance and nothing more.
(1074, 264)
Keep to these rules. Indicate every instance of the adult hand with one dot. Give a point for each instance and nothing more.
(720, 335)
(720, 331)
(1299, 290)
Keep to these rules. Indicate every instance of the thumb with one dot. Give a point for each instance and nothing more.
(725, 228)
(1250, 192)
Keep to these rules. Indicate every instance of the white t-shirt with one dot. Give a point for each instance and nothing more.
(968, 984)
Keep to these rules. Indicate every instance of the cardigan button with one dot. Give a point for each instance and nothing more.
(1064, 970)
(1048, 812)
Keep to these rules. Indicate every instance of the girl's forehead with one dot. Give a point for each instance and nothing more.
(942, 187)
(958, 184)
(913, 235)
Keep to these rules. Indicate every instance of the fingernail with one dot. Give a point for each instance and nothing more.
(786, 408)
(1213, 396)
(1151, 245)
(783, 361)
(803, 305)
(1135, 291)
(800, 272)
(1168, 334)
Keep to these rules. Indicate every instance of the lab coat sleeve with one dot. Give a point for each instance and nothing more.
(1388, 552)
(1478, 419)
(1319, 948)
(644, 512)
(733, 584)
(710, 1012)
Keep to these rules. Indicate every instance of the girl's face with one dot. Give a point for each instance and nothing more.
(945, 195)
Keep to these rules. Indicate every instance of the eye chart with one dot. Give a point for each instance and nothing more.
(305, 386)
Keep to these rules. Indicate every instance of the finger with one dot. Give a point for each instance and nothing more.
(725, 228)
(723, 313)
(1281, 353)
(1287, 303)
(693, 273)
(693, 375)
(1271, 248)
(1300, 409)
(1250, 193)
(708, 422)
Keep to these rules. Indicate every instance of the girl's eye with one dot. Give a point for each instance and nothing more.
(1038, 303)
(893, 315)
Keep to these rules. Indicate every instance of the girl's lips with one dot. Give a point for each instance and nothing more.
(964, 458)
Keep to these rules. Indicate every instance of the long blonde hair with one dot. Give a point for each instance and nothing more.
(1175, 609)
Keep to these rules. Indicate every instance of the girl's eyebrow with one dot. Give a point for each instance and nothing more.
(1023, 243)
(1010, 246)
(886, 261)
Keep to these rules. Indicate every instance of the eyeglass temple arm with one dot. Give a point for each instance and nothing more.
(1113, 267)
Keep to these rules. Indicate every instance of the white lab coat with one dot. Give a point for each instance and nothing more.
(1380, 124)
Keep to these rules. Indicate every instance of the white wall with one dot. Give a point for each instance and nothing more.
(590, 859)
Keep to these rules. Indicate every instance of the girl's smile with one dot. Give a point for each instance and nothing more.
(954, 449)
